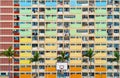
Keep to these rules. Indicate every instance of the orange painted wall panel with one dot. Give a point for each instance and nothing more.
(100, 76)
(25, 69)
(75, 68)
(75, 76)
(100, 69)
(25, 76)
(50, 76)
(50, 69)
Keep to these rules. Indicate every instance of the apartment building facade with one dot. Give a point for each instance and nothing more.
(53, 26)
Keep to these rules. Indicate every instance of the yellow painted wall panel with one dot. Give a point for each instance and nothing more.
(24, 62)
(75, 55)
(50, 54)
(97, 61)
(72, 40)
(78, 40)
(100, 40)
(50, 40)
(100, 55)
(75, 62)
(75, 47)
(50, 61)
(50, 47)
(72, 47)
(75, 40)
(25, 47)
(100, 47)
(25, 54)
(25, 40)
(100, 62)
(78, 47)
(103, 61)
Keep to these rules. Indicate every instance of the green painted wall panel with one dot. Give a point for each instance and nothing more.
(76, 11)
(51, 33)
(76, 25)
(51, 25)
(25, 33)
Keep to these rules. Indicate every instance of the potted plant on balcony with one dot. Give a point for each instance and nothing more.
(10, 54)
(35, 59)
(62, 62)
(90, 55)
(117, 59)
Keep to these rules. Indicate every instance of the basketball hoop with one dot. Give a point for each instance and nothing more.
(61, 66)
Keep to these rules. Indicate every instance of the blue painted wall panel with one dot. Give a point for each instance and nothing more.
(73, 3)
(51, 4)
(101, 3)
(25, 4)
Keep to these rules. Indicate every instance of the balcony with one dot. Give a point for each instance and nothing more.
(16, 18)
(16, 11)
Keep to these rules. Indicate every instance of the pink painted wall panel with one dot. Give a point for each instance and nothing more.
(6, 10)
(6, 24)
(5, 68)
(6, 2)
(6, 39)
(5, 46)
(6, 17)
(4, 61)
(5, 32)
